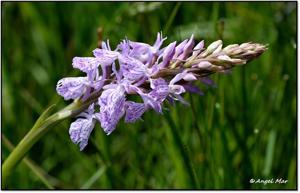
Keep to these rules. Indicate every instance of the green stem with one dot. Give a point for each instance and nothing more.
(39, 130)
(49, 181)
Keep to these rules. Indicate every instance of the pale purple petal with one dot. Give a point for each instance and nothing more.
(80, 131)
(203, 65)
(179, 98)
(112, 103)
(71, 87)
(159, 41)
(134, 111)
(171, 100)
(176, 89)
(132, 68)
(149, 101)
(193, 89)
(105, 57)
(139, 48)
(86, 64)
(189, 77)
(207, 81)
(141, 51)
(157, 82)
(75, 129)
(178, 77)
(179, 48)
(187, 49)
(168, 54)
(160, 90)
(124, 47)
(198, 48)
(156, 96)
(88, 114)
(185, 75)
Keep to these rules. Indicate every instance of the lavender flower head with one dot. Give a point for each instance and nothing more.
(152, 72)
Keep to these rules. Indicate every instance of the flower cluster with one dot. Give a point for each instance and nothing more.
(154, 73)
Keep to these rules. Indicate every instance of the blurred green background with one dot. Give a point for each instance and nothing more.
(244, 128)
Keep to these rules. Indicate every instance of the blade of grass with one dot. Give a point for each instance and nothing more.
(178, 143)
(269, 153)
(171, 18)
(93, 178)
(247, 167)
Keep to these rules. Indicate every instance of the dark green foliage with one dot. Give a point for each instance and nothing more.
(244, 128)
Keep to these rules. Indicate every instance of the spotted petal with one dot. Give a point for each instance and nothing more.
(71, 87)
(112, 103)
(86, 64)
(134, 111)
(80, 131)
(105, 57)
(132, 68)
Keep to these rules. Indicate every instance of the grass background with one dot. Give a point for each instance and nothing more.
(244, 128)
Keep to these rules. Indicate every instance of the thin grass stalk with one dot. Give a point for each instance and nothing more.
(183, 152)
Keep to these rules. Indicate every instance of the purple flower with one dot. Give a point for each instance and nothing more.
(193, 89)
(160, 89)
(198, 48)
(176, 89)
(86, 64)
(159, 41)
(134, 111)
(156, 96)
(180, 48)
(81, 129)
(137, 63)
(208, 81)
(168, 54)
(187, 49)
(153, 73)
(72, 87)
(105, 57)
(132, 69)
(112, 108)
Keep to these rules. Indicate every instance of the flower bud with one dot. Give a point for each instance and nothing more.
(187, 49)
(189, 77)
(204, 65)
(198, 48)
(218, 49)
(213, 46)
(226, 58)
(237, 51)
(247, 46)
(230, 47)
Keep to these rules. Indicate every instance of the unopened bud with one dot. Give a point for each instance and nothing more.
(237, 51)
(213, 46)
(198, 48)
(189, 77)
(226, 58)
(204, 65)
(230, 47)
